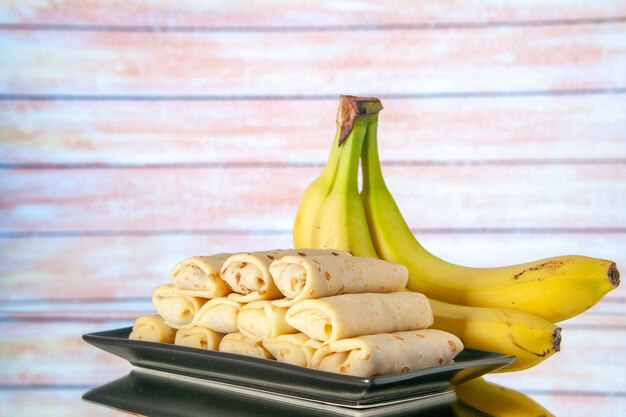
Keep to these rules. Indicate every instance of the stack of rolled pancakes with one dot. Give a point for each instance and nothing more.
(317, 308)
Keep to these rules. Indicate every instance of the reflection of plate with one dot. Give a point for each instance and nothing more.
(294, 381)
(151, 393)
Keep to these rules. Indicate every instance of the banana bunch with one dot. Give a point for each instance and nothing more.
(508, 309)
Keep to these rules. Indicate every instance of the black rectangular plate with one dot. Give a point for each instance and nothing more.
(290, 380)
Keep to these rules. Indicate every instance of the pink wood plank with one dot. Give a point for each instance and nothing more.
(565, 127)
(53, 353)
(608, 314)
(300, 13)
(576, 196)
(130, 267)
(109, 267)
(53, 403)
(581, 405)
(537, 58)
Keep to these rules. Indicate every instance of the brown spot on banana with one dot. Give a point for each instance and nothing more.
(519, 274)
(550, 267)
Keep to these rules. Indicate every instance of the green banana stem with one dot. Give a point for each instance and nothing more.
(341, 222)
(372, 172)
(330, 169)
(318, 190)
(353, 111)
(348, 172)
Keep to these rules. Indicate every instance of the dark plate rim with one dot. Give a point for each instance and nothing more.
(489, 358)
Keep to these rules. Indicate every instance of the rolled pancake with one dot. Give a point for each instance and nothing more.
(152, 329)
(262, 319)
(348, 315)
(176, 309)
(299, 278)
(198, 337)
(384, 354)
(291, 348)
(218, 314)
(200, 276)
(249, 277)
(243, 345)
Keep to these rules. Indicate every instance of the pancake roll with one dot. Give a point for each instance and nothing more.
(198, 337)
(152, 329)
(300, 278)
(348, 315)
(243, 345)
(177, 309)
(249, 277)
(390, 353)
(219, 314)
(200, 276)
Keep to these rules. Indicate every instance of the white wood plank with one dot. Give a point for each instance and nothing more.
(54, 353)
(227, 64)
(570, 196)
(222, 13)
(283, 131)
(131, 266)
(52, 403)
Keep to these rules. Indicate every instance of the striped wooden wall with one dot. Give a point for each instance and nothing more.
(134, 134)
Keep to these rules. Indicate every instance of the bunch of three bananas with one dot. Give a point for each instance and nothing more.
(511, 309)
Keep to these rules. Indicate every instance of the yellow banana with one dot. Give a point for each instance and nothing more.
(340, 222)
(498, 400)
(529, 338)
(555, 289)
(350, 108)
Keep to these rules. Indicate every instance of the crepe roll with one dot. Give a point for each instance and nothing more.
(262, 319)
(152, 329)
(198, 337)
(243, 345)
(200, 276)
(218, 314)
(291, 348)
(249, 277)
(390, 353)
(299, 278)
(176, 309)
(348, 315)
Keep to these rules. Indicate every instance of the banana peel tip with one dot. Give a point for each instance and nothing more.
(353, 107)
(556, 339)
(613, 274)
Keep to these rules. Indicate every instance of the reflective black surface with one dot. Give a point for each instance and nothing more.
(285, 379)
(156, 395)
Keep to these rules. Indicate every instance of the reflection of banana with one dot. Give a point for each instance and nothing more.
(555, 289)
(529, 338)
(498, 400)
(340, 222)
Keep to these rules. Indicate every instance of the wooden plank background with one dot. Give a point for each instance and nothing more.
(134, 134)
